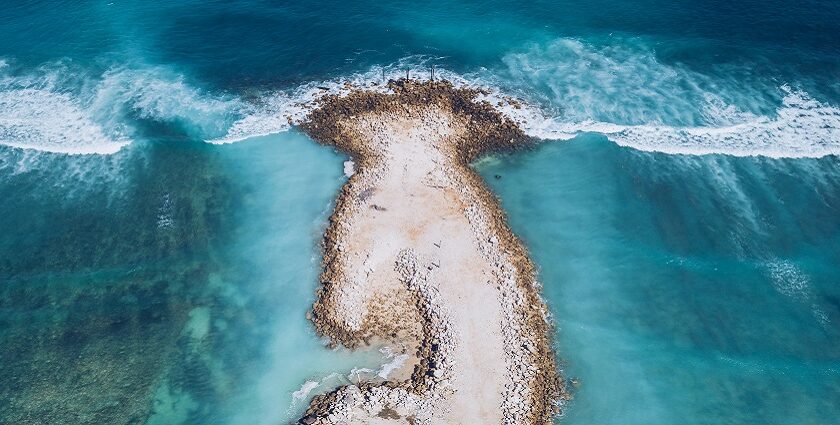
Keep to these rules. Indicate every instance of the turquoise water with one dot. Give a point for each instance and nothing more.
(685, 289)
(170, 285)
(684, 210)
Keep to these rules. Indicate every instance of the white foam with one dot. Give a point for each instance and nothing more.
(626, 85)
(802, 127)
(273, 115)
(55, 109)
(569, 88)
(349, 168)
(158, 94)
(42, 119)
(625, 93)
(333, 379)
(277, 111)
(788, 280)
(397, 361)
(165, 218)
(304, 391)
(360, 374)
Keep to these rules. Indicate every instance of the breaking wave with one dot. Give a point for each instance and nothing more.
(36, 114)
(801, 127)
(63, 110)
(568, 88)
(626, 93)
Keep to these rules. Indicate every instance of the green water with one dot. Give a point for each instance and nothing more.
(172, 287)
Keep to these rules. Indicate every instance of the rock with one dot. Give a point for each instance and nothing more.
(487, 130)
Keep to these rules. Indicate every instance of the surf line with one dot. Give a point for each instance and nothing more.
(418, 257)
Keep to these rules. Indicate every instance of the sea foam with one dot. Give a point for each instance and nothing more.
(624, 94)
(801, 127)
(567, 88)
(63, 110)
(47, 120)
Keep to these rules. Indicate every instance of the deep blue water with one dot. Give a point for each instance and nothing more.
(158, 278)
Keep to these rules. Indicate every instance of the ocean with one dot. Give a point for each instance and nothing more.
(161, 219)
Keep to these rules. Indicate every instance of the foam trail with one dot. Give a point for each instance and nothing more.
(623, 93)
(275, 113)
(304, 390)
(802, 128)
(54, 110)
(396, 361)
(157, 94)
(568, 88)
(278, 111)
(50, 121)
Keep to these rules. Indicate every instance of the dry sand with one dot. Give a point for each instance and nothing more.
(418, 257)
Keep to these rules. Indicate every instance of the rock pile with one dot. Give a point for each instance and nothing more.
(534, 392)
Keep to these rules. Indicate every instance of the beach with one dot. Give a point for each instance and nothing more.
(418, 257)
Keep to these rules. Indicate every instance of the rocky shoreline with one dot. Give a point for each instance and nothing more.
(412, 304)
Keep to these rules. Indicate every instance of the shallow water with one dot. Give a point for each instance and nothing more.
(162, 279)
(684, 289)
(195, 270)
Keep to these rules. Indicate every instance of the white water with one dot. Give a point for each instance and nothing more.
(624, 92)
(801, 128)
(629, 97)
(52, 121)
(568, 88)
(54, 109)
(790, 281)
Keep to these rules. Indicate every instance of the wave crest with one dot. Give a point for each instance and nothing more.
(569, 87)
(801, 128)
(37, 115)
(624, 92)
(57, 109)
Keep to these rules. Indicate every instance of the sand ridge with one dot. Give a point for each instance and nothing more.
(418, 256)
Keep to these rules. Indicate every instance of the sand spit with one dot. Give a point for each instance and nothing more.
(418, 257)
